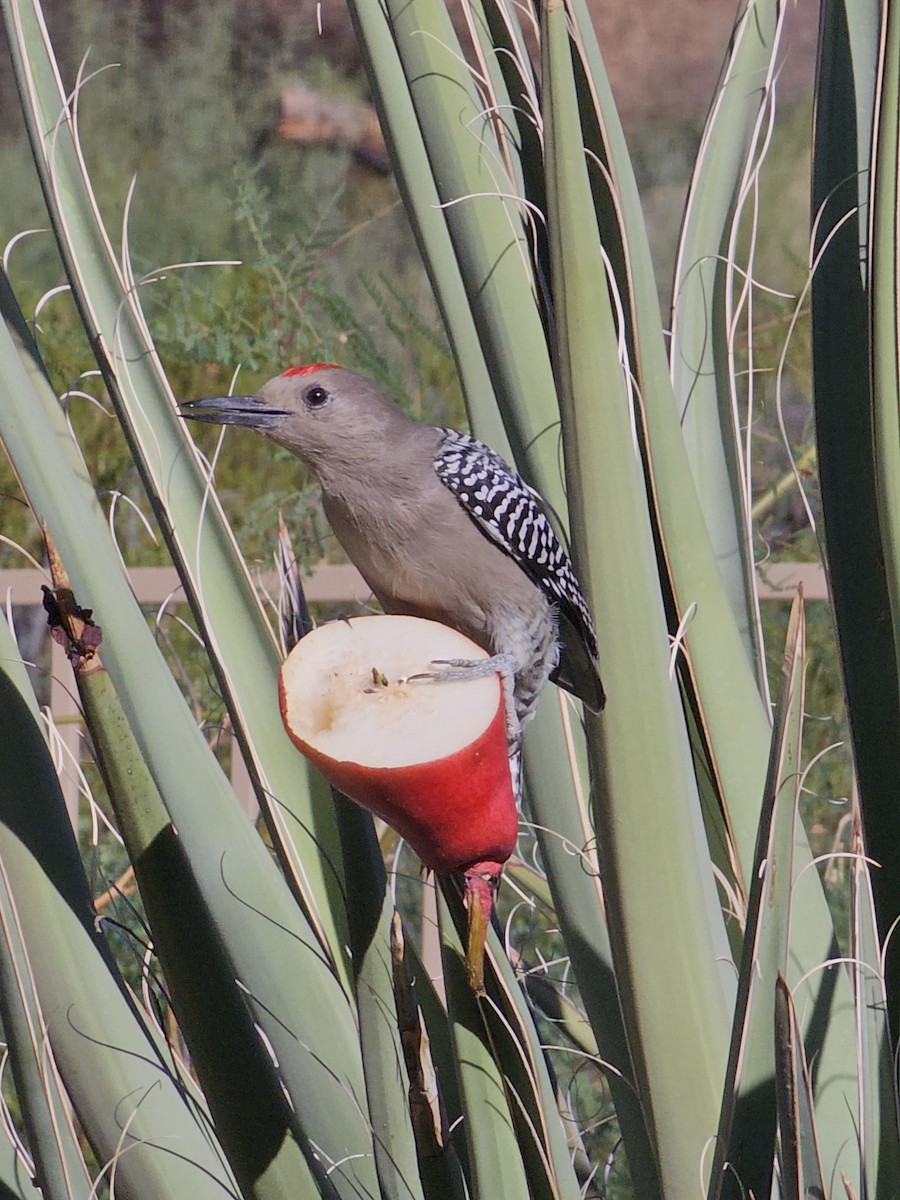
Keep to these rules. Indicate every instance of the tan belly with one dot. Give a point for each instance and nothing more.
(452, 574)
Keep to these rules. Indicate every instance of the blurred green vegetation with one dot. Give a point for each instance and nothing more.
(327, 266)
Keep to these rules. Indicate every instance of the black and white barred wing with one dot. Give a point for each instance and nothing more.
(511, 513)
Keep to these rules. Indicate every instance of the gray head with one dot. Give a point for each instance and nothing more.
(323, 413)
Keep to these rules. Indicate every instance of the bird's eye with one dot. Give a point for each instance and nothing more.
(316, 396)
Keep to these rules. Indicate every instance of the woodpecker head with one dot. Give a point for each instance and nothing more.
(320, 412)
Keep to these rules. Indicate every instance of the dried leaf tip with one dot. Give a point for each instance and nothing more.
(70, 625)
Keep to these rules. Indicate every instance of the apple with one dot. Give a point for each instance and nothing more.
(428, 756)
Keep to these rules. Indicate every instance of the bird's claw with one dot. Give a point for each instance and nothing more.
(435, 676)
(469, 668)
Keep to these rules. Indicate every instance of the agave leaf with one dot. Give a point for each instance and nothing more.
(879, 1120)
(646, 806)
(732, 729)
(501, 19)
(883, 266)
(434, 1100)
(509, 1033)
(23, 339)
(745, 1147)
(857, 452)
(563, 1013)
(801, 1166)
(52, 1141)
(490, 79)
(251, 1115)
(13, 664)
(493, 1151)
(489, 235)
(436, 1037)
(409, 160)
(703, 317)
(559, 807)
(130, 1106)
(46, 1115)
(719, 683)
(371, 909)
(842, 394)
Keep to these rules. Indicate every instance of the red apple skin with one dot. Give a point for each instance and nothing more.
(453, 811)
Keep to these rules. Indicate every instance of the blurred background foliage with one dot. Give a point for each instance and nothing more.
(327, 268)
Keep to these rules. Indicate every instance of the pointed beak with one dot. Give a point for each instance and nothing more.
(233, 410)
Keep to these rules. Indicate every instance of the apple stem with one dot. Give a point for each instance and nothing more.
(482, 880)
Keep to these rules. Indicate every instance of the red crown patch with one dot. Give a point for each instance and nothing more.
(309, 370)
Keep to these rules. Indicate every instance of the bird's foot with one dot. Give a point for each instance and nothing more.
(503, 665)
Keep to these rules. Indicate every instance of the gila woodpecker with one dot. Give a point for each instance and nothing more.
(436, 522)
